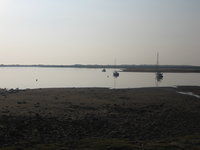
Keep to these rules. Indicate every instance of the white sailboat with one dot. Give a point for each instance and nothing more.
(115, 73)
(159, 75)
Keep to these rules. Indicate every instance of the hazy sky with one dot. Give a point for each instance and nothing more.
(99, 31)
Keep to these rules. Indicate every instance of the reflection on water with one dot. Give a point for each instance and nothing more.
(74, 77)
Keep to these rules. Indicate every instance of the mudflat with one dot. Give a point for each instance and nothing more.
(100, 118)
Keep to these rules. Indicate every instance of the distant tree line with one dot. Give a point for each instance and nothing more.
(108, 66)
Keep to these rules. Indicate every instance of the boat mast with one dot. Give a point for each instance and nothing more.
(157, 58)
(115, 63)
(157, 63)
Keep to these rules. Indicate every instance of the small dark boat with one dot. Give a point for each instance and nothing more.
(104, 70)
(116, 74)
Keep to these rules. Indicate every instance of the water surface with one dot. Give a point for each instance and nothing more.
(19, 77)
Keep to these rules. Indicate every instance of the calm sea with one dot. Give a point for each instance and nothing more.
(17, 77)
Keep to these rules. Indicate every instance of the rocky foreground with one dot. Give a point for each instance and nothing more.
(98, 118)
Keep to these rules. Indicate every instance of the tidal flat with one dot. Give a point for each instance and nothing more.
(100, 119)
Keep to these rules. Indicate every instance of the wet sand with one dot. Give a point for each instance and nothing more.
(143, 117)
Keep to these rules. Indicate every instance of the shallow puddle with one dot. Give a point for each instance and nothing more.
(190, 94)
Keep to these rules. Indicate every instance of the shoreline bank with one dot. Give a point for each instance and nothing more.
(162, 70)
(77, 117)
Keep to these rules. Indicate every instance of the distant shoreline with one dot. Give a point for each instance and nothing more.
(124, 68)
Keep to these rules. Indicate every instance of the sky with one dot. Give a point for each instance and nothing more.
(69, 32)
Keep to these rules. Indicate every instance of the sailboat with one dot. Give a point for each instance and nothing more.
(159, 75)
(115, 73)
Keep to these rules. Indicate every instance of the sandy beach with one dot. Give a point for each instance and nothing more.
(100, 118)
